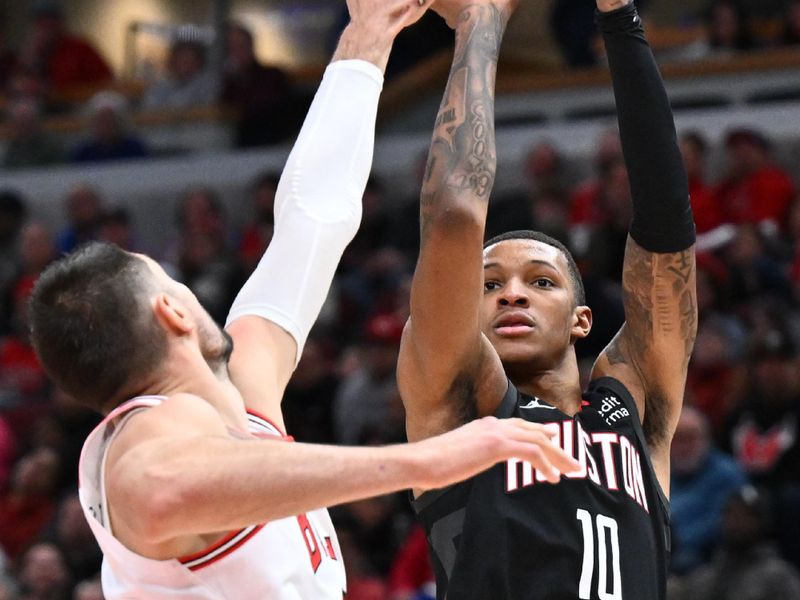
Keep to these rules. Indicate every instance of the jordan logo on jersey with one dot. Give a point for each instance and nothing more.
(608, 459)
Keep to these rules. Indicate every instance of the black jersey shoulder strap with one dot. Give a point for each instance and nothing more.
(508, 405)
(618, 388)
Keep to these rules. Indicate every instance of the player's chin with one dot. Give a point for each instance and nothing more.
(515, 349)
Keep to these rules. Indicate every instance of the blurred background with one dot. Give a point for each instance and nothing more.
(163, 125)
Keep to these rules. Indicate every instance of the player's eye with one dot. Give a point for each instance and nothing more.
(490, 286)
(543, 282)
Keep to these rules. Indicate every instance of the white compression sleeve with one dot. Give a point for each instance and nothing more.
(318, 202)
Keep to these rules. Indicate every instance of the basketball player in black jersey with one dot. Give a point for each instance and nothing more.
(493, 329)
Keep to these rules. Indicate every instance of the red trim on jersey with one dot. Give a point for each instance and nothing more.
(216, 546)
(250, 411)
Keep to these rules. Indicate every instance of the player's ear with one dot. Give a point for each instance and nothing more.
(581, 322)
(171, 314)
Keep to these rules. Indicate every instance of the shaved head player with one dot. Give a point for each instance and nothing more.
(493, 330)
(189, 484)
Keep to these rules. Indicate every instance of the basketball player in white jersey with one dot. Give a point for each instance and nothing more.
(190, 484)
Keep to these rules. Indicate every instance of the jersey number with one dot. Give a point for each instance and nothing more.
(310, 538)
(607, 533)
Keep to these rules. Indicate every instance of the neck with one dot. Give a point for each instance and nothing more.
(193, 375)
(558, 385)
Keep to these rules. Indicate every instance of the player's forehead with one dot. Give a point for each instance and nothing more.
(520, 253)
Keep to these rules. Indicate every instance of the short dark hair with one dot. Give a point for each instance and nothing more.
(91, 324)
(538, 236)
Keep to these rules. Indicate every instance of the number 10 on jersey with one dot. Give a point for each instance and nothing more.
(601, 536)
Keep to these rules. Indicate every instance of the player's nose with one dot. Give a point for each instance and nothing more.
(514, 293)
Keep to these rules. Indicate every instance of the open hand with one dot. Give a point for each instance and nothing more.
(477, 446)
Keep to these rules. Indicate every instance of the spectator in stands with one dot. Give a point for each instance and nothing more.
(71, 533)
(728, 26)
(204, 260)
(116, 228)
(411, 576)
(372, 267)
(43, 574)
(262, 95)
(308, 401)
(8, 61)
(23, 383)
(28, 145)
(8, 454)
(747, 566)
(187, 82)
(791, 23)
(8, 588)
(764, 433)
(707, 212)
(63, 61)
(755, 270)
(364, 397)
(716, 372)
(91, 589)
(109, 135)
(702, 480)
(13, 213)
(28, 505)
(378, 528)
(362, 582)
(257, 233)
(755, 188)
(542, 206)
(84, 209)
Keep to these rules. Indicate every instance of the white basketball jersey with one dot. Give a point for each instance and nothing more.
(296, 558)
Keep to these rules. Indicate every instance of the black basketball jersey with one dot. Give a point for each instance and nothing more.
(602, 533)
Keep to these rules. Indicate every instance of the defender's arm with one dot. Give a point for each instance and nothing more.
(317, 207)
(651, 352)
(174, 473)
(444, 358)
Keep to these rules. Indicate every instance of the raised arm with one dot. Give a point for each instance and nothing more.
(445, 362)
(651, 352)
(317, 207)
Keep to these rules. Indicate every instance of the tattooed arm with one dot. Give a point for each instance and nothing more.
(445, 362)
(651, 352)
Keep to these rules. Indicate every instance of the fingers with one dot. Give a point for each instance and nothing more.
(409, 12)
(537, 442)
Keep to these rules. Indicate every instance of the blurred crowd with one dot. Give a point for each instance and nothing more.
(736, 455)
(53, 71)
(727, 29)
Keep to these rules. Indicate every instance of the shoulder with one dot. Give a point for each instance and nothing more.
(179, 414)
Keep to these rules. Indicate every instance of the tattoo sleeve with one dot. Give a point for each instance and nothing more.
(661, 325)
(462, 158)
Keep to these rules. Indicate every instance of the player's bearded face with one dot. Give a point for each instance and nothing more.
(216, 344)
(528, 310)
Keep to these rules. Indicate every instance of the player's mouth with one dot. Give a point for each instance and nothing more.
(513, 324)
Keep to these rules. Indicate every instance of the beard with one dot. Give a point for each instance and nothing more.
(217, 347)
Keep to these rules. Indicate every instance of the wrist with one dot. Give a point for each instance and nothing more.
(362, 43)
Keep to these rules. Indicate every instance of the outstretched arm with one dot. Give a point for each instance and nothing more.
(651, 352)
(174, 473)
(445, 362)
(317, 207)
